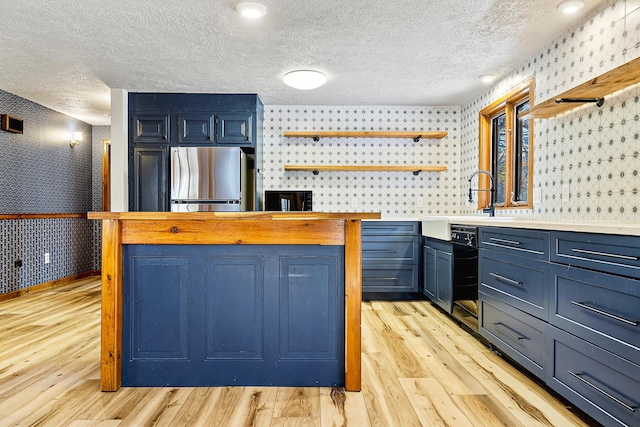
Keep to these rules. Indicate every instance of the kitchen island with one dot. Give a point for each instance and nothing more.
(249, 298)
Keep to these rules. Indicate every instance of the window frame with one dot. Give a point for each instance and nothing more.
(505, 105)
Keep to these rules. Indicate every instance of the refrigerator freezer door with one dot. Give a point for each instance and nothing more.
(205, 173)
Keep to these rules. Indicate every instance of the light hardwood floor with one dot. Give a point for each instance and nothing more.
(419, 369)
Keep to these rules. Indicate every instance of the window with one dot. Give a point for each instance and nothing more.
(506, 147)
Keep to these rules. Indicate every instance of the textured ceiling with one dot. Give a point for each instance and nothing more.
(67, 54)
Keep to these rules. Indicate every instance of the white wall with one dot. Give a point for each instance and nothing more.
(593, 151)
(394, 194)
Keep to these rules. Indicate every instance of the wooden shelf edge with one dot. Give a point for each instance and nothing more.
(364, 168)
(605, 84)
(368, 134)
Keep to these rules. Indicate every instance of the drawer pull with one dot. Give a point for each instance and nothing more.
(379, 251)
(598, 389)
(509, 242)
(506, 279)
(383, 229)
(501, 330)
(382, 279)
(583, 251)
(604, 313)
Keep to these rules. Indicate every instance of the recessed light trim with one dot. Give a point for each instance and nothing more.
(570, 6)
(487, 78)
(251, 10)
(304, 79)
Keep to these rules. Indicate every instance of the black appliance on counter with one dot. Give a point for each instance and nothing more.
(464, 241)
(285, 200)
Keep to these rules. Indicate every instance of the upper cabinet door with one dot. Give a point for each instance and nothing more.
(150, 128)
(235, 129)
(195, 128)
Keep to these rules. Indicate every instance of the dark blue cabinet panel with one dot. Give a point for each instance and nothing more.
(388, 228)
(602, 384)
(444, 281)
(235, 129)
(519, 281)
(599, 307)
(307, 319)
(195, 128)
(517, 334)
(159, 308)
(389, 277)
(234, 315)
(390, 248)
(429, 272)
(232, 283)
(533, 244)
(148, 189)
(150, 128)
(603, 252)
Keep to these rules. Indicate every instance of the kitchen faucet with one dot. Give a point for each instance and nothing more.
(491, 209)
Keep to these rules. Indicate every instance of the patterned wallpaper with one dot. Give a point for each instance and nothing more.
(41, 173)
(395, 194)
(99, 133)
(590, 155)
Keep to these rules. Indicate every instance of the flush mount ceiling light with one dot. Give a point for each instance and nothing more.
(487, 78)
(304, 79)
(570, 6)
(251, 10)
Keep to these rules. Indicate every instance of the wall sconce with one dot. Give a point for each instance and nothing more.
(77, 137)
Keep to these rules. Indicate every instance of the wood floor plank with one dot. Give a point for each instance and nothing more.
(432, 403)
(484, 410)
(342, 409)
(292, 402)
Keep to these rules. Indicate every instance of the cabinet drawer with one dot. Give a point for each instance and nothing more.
(390, 248)
(533, 244)
(517, 334)
(390, 227)
(518, 281)
(605, 386)
(598, 307)
(390, 278)
(610, 253)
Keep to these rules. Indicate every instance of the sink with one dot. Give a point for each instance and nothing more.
(439, 227)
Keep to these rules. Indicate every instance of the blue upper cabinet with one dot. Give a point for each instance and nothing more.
(151, 127)
(195, 128)
(235, 129)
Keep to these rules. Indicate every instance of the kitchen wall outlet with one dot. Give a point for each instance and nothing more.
(419, 202)
(354, 202)
(46, 258)
(537, 195)
(565, 192)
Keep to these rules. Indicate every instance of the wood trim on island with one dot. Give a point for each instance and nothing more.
(295, 228)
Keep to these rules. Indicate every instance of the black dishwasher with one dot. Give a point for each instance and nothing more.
(464, 240)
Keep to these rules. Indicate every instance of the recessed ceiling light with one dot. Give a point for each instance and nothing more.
(487, 78)
(570, 6)
(251, 10)
(304, 79)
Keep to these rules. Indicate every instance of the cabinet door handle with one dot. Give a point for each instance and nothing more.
(583, 251)
(501, 330)
(509, 242)
(604, 313)
(598, 389)
(506, 279)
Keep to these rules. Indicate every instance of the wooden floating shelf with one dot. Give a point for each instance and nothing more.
(416, 136)
(316, 169)
(612, 81)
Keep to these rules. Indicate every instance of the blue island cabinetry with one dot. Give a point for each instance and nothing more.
(233, 315)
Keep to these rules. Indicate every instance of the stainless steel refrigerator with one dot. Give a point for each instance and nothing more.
(210, 179)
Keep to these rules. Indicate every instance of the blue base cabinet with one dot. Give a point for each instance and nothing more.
(233, 315)
(438, 273)
(390, 257)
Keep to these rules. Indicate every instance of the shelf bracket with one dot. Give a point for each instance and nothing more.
(598, 101)
(416, 173)
(417, 138)
(316, 138)
(316, 171)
